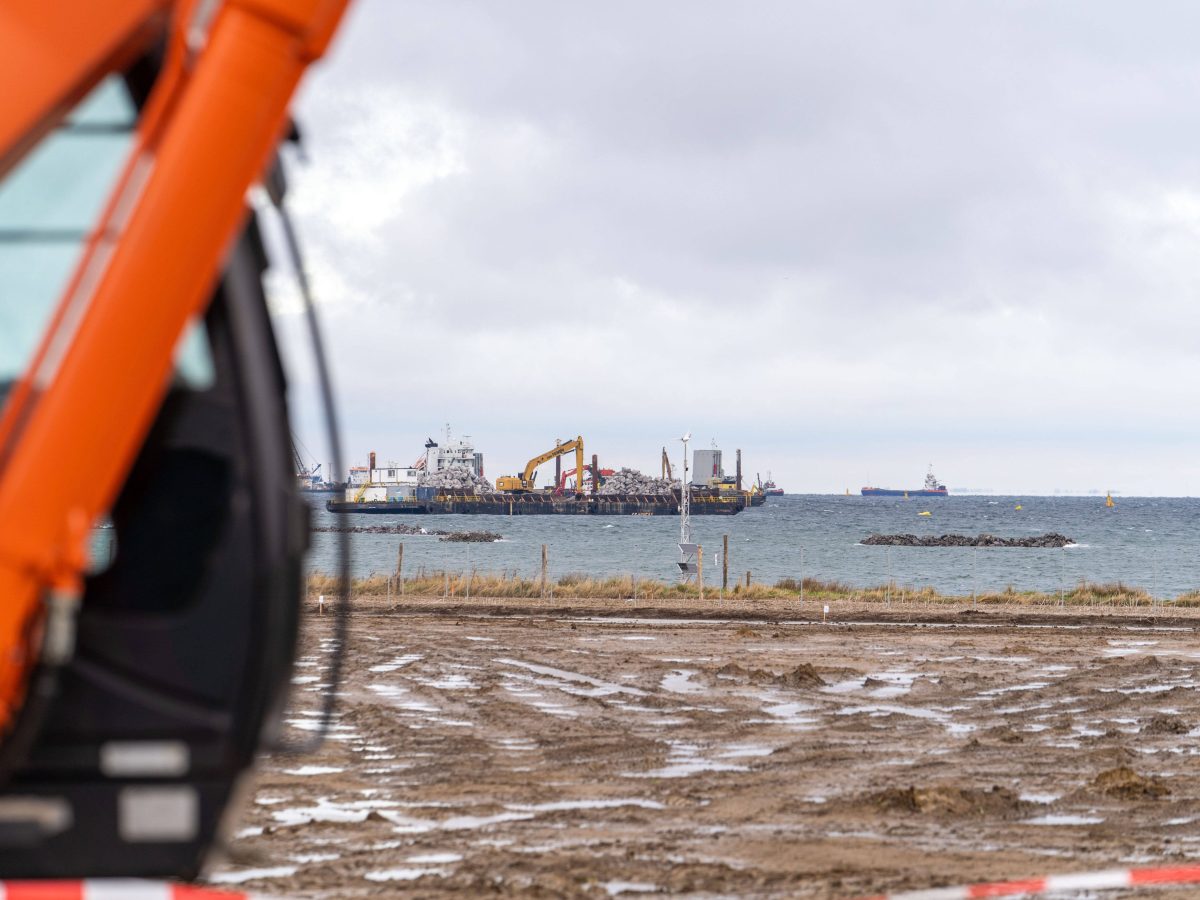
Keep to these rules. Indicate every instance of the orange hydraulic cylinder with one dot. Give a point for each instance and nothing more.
(110, 378)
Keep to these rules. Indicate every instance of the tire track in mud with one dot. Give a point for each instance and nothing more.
(557, 756)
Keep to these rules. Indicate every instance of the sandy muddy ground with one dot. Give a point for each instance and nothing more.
(553, 754)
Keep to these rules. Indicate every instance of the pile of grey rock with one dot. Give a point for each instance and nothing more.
(456, 478)
(962, 540)
(631, 481)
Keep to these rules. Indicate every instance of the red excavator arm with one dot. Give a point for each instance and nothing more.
(208, 133)
(136, 668)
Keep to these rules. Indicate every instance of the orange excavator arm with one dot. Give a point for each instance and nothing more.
(208, 132)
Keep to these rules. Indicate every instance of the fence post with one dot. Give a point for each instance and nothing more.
(724, 564)
(747, 578)
(974, 572)
(400, 571)
(700, 568)
(544, 567)
(802, 574)
(888, 592)
(389, 592)
(446, 586)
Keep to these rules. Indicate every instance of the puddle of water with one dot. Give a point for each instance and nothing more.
(734, 751)
(435, 858)
(397, 663)
(401, 874)
(844, 687)
(629, 887)
(1063, 820)
(1039, 798)
(466, 823)
(570, 805)
(680, 682)
(790, 713)
(1031, 686)
(314, 770)
(638, 637)
(325, 811)
(886, 709)
(602, 688)
(684, 760)
(250, 874)
(451, 682)
(314, 857)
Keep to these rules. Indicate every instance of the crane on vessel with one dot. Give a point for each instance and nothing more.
(524, 483)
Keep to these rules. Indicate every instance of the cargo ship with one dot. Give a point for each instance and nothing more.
(932, 489)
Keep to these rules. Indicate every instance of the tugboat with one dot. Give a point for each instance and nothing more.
(770, 488)
(933, 488)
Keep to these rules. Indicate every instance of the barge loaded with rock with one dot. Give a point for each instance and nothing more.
(449, 480)
(703, 502)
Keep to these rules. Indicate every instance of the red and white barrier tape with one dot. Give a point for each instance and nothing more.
(111, 889)
(1082, 881)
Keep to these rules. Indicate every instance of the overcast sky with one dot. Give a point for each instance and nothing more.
(851, 239)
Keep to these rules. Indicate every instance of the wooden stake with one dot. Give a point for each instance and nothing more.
(700, 568)
(544, 569)
(725, 564)
(747, 578)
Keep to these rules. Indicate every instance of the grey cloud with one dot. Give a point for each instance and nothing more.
(983, 216)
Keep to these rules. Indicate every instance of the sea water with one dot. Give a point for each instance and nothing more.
(1146, 542)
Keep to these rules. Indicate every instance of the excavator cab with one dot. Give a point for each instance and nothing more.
(187, 623)
(138, 693)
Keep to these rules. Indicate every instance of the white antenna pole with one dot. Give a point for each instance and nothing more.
(687, 550)
(685, 500)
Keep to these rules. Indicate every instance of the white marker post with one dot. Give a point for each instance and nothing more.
(824, 613)
(321, 604)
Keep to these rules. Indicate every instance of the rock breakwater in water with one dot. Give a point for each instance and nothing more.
(1053, 539)
(476, 537)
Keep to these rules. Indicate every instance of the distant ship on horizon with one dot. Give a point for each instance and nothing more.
(770, 488)
(933, 488)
